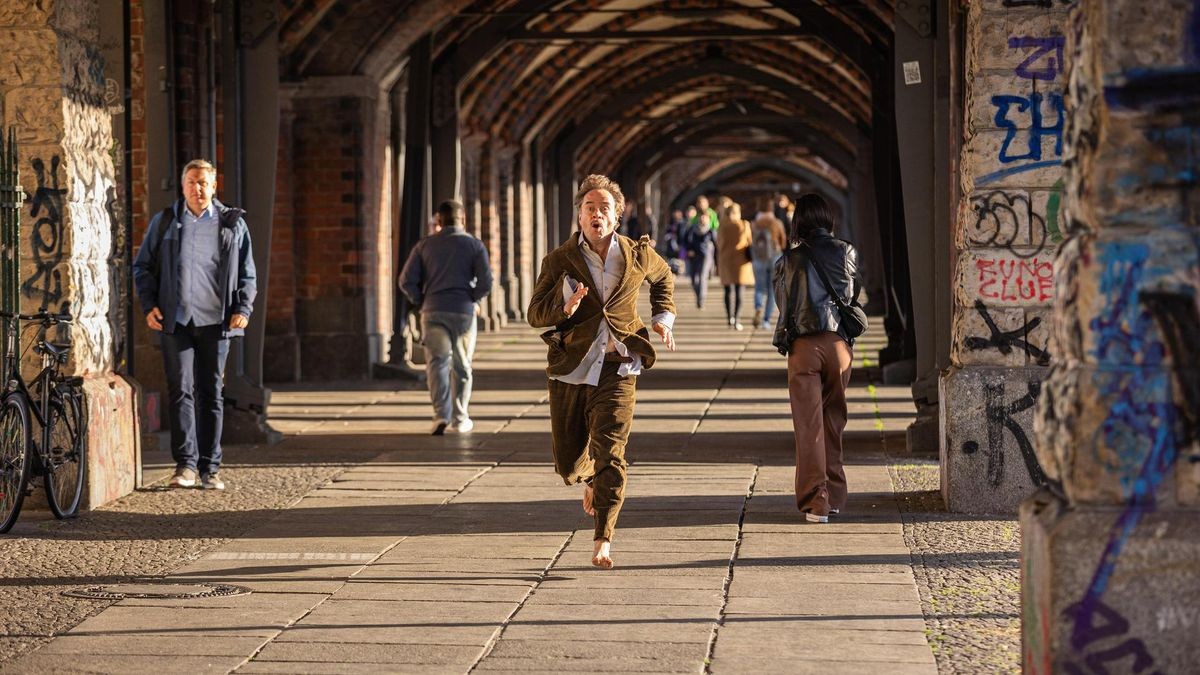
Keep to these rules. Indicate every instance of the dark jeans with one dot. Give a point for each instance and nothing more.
(194, 359)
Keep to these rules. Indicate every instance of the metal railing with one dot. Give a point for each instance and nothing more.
(12, 201)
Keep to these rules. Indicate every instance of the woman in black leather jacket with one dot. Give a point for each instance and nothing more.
(819, 353)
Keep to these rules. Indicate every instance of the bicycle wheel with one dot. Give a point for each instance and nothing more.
(14, 457)
(64, 463)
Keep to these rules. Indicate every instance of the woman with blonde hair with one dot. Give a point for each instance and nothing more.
(733, 261)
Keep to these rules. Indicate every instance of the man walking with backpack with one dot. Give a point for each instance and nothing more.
(768, 242)
(195, 280)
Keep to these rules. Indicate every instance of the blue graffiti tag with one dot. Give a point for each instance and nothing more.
(1142, 412)
(1049, 48)
(1037, 128)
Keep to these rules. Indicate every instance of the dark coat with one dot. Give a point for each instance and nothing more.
(839, 261)
(156, 267)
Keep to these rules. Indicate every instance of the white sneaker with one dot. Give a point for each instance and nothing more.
(461, 427)
(814, 518)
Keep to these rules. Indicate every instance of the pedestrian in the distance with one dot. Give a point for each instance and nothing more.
(701, 247)
(769, 241)
(196, 283)
(733, 261)
(819, 352)
(446, 275)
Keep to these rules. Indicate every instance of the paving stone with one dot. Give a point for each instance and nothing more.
(466, 527)
(378, 654)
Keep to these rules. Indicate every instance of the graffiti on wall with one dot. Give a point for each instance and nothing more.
(1010, 219)
(46, 235)
(1140, 427)
(1006, 341)
(1013, 280)
(1032, 121)
(1041, 4)
(1001, 418)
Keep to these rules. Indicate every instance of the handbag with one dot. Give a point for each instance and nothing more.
(853, 319)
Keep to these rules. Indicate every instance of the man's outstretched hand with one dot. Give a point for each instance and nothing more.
(572, 303)
(667, 336)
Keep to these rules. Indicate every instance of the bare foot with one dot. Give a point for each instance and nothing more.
(587, 500)
(601, 557)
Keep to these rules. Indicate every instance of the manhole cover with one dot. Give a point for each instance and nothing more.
(157, 590)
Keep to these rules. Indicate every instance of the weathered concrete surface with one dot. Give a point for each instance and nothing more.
(72, 255)
(987, 457)
(1142, 612)
(1008, 228)
(444, 554)
(1110, 572)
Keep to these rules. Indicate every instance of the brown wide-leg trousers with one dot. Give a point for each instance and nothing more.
(818, 374)
(590, 427)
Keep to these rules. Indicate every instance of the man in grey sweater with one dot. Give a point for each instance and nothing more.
(446, 275)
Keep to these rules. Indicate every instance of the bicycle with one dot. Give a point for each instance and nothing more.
(56, 402)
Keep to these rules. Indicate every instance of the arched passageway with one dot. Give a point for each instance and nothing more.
(505, 105)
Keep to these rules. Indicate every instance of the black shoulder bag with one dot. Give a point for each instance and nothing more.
(853, 319)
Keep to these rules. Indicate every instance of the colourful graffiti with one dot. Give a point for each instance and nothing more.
(1142, 414)
(1015, 280)
(1024, 118)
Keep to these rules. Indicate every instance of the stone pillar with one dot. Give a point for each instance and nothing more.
(508, 210)
(1006, 233)
(1111, 561)
(52, 85)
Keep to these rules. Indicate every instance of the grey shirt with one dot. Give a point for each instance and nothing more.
(199, 264)
(447, 272)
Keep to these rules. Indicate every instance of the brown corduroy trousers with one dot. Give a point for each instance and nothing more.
(818, 374)
(589, 427)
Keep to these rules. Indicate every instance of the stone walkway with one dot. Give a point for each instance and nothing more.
(465, 553)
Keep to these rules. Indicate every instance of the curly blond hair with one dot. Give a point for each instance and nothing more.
(598, 182)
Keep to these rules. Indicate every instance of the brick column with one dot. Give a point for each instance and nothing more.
(508, 210)
(1006, 234)
(1111, 562)
(52, 86)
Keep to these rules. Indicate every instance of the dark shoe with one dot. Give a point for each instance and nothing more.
(439, 428)
(185, 477)
(212, 481)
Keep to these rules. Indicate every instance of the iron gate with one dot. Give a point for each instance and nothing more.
(12, 200)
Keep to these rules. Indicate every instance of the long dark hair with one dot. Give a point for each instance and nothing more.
(812, 212)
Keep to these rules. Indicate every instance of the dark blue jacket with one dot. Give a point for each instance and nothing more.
(447, 272)
(156, 267)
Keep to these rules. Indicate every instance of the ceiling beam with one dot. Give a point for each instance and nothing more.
(723, 33)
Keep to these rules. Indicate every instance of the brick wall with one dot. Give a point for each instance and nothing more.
(330, 242)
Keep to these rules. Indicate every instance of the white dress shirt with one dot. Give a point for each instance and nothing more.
(606, 274)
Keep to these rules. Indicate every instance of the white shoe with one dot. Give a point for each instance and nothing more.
(461, 427)
(814, 518)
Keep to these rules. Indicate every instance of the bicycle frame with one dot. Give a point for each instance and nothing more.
(39, 406)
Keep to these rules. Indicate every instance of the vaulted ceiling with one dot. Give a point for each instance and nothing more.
(634, 87)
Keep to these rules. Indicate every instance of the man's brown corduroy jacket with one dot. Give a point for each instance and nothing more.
(572, 336)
